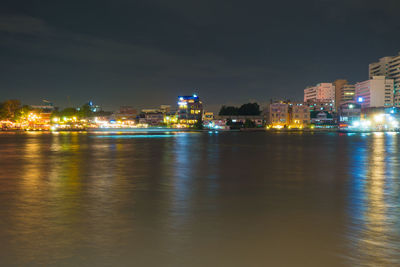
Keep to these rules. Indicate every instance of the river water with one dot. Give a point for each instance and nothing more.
(199, 199)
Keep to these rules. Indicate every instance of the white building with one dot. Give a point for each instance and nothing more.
(376, 92)
(322, 92)
(390, 68)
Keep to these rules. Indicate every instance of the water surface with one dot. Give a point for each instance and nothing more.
(199, 199)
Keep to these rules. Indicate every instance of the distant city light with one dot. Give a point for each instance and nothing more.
(360, 99)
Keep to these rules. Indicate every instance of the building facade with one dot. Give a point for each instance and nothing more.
(190, 109)
(320, 93)
(299, 115)
(286, 114)
(344, 93)
(390, 68)
(349, 113)
(376, 92)
(279, 114)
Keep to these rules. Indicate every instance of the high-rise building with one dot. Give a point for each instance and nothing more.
(338, 91)
(190, 109)
(322, 92)
(347, 94)
(344, 92)
(390, 68)
(376, 92)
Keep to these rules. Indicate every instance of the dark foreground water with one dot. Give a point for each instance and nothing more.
(200, 199)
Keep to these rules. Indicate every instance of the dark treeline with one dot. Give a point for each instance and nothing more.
(249, 109)
(84, 111)
(13, 110)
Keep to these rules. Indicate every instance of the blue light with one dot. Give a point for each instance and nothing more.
(137, 136)
(194, 95)
(360, 100)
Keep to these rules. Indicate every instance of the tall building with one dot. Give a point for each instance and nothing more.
(190, 109)
(347, 94)
(344, 92)
(322, 92)
(376, 92)
(390, 68)
(338, 90)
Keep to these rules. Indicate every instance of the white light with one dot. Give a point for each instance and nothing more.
(379, 117)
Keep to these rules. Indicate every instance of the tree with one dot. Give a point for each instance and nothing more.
(9, 108)
(228, 111)
(199, 124)
(85, 111)
(249, 124)
(22, 113)
(250, 109)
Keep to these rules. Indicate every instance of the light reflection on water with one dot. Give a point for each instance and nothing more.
(227, 199)
(375, 208)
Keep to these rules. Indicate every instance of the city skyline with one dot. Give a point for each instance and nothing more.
(145, 54)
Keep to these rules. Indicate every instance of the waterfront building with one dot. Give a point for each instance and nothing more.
(154, 118)
(41, 114)
(190, 109)
(258, 120)
(126, 113)
(376, 92)
(322, 119)
(165, 109)
(299, 115)
(390, 68)
(287, 114)
(279, 114)
(349, 113)
(322, 92)
(208, 116)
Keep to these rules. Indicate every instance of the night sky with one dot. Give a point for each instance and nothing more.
(145, 53)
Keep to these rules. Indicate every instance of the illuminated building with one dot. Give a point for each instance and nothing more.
(322, 92)
(208, 116)
(300, 115)
(349, 113)
(376, 92)
(279, 114)
(126, 113)
(165, 108)
(286, 114)
(190, 109)
(390, 68)
(154, 118)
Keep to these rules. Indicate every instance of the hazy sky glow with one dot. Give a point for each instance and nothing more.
(145, 53)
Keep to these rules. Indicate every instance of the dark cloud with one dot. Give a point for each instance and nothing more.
(145, 53)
